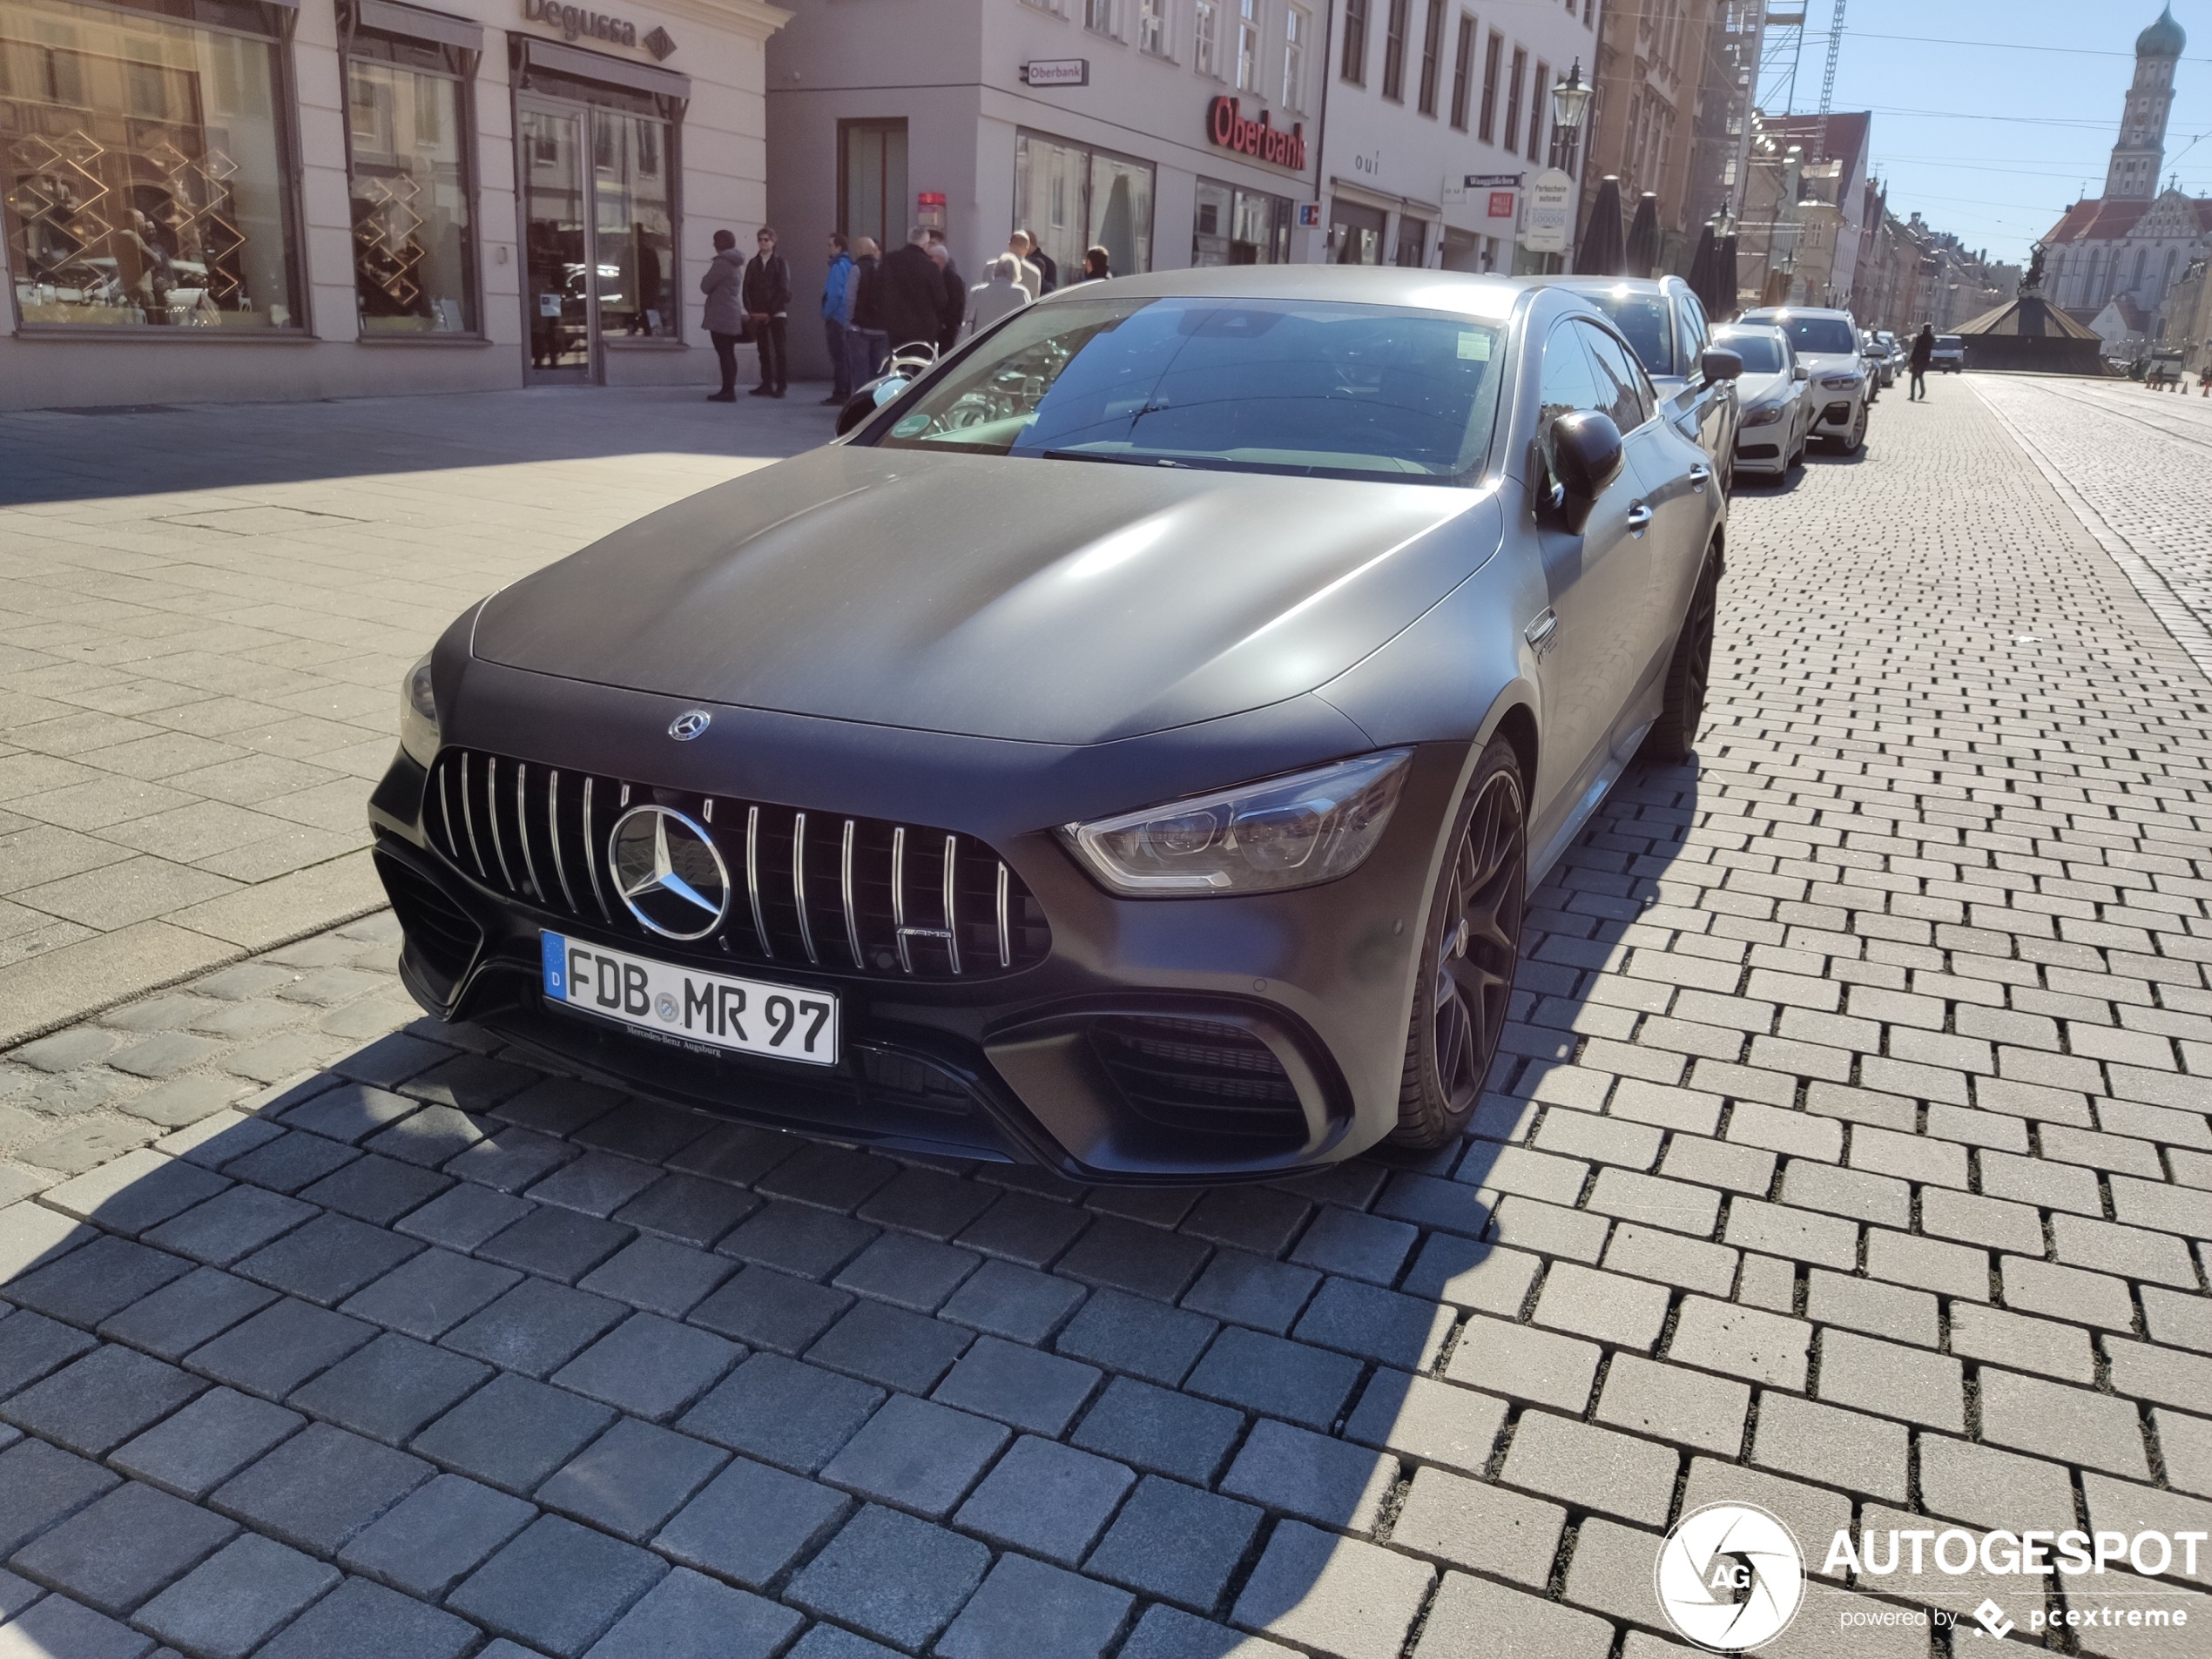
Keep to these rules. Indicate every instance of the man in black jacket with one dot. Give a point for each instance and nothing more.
(953, 310)
(914, 294)
(870, 344)
(768, 302)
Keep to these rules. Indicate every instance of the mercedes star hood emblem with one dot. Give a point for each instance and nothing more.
(688, 725)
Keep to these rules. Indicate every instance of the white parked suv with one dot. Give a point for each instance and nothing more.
(1827, 344)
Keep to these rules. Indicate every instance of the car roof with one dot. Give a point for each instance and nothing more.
(1669, 284)
(1760, 313)
(1767, 328)
(1490, 298)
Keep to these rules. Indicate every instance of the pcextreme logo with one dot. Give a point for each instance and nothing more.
(1730, 1577)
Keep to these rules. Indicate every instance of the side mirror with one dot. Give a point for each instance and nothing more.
(868, 400)
(1722, 365)
(1801, 374)
(1582, 451)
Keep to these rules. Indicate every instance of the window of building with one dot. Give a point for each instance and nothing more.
(1463, 73)
(1354, 68)
(1070, 197)
(1393, 79)
(1205, 37)
(1488, 129)
(144, 168)
(1152, 27)
(1413, 242)
(1432, 56)
(1298, 27)
(1103, 16)
(1355, 233)
(1512, 134)
(633, 186)
(1248, 46)
(406, 129)
(1537, 99)
(1236, 227)
(872, 180)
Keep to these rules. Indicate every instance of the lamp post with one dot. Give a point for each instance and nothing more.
(1570, 104)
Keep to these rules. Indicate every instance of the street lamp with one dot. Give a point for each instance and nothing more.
(1570, 100)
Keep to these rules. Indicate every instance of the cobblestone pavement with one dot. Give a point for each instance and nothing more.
(1852, 1157)
(207, 613)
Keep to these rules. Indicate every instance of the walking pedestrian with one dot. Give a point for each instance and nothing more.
(952, 309)
(914, 294)
(1923, 352)
(767, 303)
(722, 283)
(2204, 379)
(837, 319)
(871, 344)
(999, 293)
(1024, 252)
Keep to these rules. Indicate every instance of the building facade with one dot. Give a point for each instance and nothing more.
(1171, 133)
(219, 199)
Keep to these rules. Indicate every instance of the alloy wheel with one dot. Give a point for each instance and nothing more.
(1704, 604)
(1480, 944)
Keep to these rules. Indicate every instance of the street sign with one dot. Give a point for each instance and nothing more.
(1550, 216)
(1056, 72)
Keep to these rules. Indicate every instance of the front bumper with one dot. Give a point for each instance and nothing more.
(1310, 986)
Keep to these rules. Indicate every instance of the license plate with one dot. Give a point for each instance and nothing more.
(689, 1006)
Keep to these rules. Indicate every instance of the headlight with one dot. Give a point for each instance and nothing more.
(419, 714)
(1765, 415)
(1285, 833)
(1839, 382)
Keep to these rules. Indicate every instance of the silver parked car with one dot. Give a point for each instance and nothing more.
(1771, 436)
(1842, 382)
(1130, 750)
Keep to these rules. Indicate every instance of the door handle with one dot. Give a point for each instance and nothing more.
(1639, 518)
(1539, 633)
(1699, 475)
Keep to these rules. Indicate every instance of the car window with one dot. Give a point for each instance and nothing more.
(1628, 397)
(1762, 354)
(1643, 317)
(1570, 378)
(1829, 335)
(1691, 330)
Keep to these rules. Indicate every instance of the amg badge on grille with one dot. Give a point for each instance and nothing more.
(688, 725)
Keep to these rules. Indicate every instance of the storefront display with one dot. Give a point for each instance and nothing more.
(1071, 197)
(407, 126)
(142, 165)
(1235, 226)
(1355, 233)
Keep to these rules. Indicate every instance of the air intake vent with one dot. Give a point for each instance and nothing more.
(443, 938)
(808, 889)
(1198, 1073)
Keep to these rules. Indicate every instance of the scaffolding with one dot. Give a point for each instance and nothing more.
(1780, 51)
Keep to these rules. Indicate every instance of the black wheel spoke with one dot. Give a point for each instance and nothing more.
(1479, 941)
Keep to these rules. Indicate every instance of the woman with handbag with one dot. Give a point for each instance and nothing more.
(723, 283)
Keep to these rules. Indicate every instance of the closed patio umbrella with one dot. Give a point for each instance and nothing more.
(1724, 278)
(1704, 265)
(1601, 253)
(1643, 236)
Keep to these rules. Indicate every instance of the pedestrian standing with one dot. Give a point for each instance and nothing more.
(836, 320)
(998, 294)
(722, 283)
(1024, 252)
(1098, 265)
(767, 303)
(1047, 267)
(870, 344)
(953, 308)
(2205, 377)
(1923, 354)
(914, 294)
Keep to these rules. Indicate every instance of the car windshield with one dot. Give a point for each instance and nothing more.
(1830, 335)
(1762, 354)
(1320, 388)
(1950, 343)
(1642, 318)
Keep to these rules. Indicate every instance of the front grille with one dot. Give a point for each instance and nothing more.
(1836, 415)
(1198, 1073)
(807, 889)
(1759, 451)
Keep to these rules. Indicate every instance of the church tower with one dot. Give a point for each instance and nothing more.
(2141, 150)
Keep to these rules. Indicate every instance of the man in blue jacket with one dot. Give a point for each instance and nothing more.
(837, 319)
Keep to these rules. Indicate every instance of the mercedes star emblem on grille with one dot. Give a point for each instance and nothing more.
(688, 725)
(668, 872)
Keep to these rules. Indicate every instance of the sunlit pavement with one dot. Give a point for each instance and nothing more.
(1851, 1158)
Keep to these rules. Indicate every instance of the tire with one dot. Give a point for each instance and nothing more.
(1857, 442)
(1673, 734)
(1470, 947)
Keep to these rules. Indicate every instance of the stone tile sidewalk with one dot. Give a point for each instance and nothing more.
(1851, 1156)
(207, 613)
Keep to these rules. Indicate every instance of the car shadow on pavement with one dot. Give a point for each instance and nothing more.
(429, 1343)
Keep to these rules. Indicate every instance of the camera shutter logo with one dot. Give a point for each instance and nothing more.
(669, 873)
(1730, 1577)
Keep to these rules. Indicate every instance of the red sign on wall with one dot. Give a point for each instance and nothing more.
(1227, 127)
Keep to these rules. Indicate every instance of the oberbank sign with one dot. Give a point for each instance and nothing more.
(1730, 1577)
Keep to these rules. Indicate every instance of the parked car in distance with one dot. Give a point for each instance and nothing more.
(1826, 342)
(1949, 353)
(1776, 411)
(1168, 811)
(1877, 357)
(1662, 319)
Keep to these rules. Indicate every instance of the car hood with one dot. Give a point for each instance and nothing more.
(1754, 389)
(1048, 601)
(1819, 363)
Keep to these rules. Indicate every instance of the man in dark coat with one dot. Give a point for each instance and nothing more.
(1047, 267)
(870, 343)
(720, 283)
(954, 311)
(1923, 351)
(767, 303)
(914, 294)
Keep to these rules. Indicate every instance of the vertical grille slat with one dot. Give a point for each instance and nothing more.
(898, 892)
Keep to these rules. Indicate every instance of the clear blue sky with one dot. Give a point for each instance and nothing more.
(1999, 183)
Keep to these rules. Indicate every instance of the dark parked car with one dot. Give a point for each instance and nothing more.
(1131, 750)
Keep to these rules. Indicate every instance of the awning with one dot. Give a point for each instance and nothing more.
(578, 65)
(413, 23)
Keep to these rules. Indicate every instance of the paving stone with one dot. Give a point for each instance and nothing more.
(378, 1190)
(2053, 1421)
(2022, 1343)
(917, 1455)
(430, 1137)
(1591, 1468)
(771, 1310)
(326, 1260)
(1023, 1229)
(631, 1479)
(659, 1275)
(1490, 1529)
(922, 1201)
(504, 1158)
(1156, 1429)
(782, 1412)
(230, 1225)
(288, 1163)
(1292, 1470)
(320, 1488)
(557, 1105)
(1892, 1380)
(2145, 1372)
(391, 1388)
(1972, 1219)
(512, 1433)
(1017, 1384)
(214, 1142)
(90, 1284)
(2186, 1445)
(1165, 1633)
(1687, 1264)
(1611, 1571)
(2183, 1320)
(649, 1365)
(688, 1209)
(891, 1575)
(557, 1587)
(40, 1485)
(1127, 1256)
(132, 1193)
(279, 1348)
(98, 1402)
(1017, 1303)
(1245, 1289)
(349, 1112)
(750, 1522)
(32, 1346)
(1811, 1512)
(228, 1604)
(1374, 1324)
(1046, 1499)
(429, 1294)
(810, 1242)
(463, 1217)
(436, 1536)
(1666, 1402)
(59, 1627)
(359, 1619)
(536, 1328)
(562, 1244)
(892, 1346)
(1929, 1264)
(1822, 1443)
(1869, 1305)
(1750, 1343)
(1338, 1596)
(1129, 1334)
(180, 1317)
(1968, 1481)
(909, 1272)
(1469, 1612)
(1800, 1235)
(197, 1449)
(1025, 1606)
(1261, 1220)
(644, 1129)
(2067, 1293)
(1426, 1421)
(685, 1616)
(471, 1082)
(1524, 1363)
(1264, 1373)
(1607, 1306)
(117, 1552)
(1360, 1246)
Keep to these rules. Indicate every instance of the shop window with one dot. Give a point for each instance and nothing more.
(1205, 37)
(1236, 227)
(1393, 79)
(871, 181)
(1463, 73)
(145, 170)
(414, 241)
(1413, 242)
(1152, 27)
(636, 256)
(1071, 197)
(1488, 129)
(1248, 44)
(1354, 68)
(1431, 57)
(1355, 234)
(1297, 28)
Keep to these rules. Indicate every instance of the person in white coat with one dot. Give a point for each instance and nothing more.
(988, 301)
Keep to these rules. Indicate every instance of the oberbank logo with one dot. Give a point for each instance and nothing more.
(1730, 1577)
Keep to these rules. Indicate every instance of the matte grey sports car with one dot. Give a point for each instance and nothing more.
(1130, 750)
